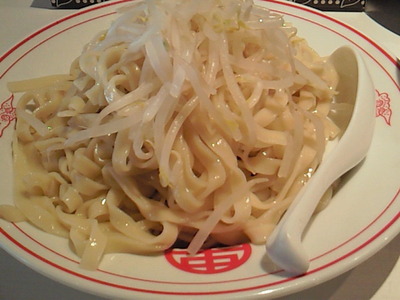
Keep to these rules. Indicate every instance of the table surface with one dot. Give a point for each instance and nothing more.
(376, 279)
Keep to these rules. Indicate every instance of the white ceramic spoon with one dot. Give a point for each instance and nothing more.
(355, 87)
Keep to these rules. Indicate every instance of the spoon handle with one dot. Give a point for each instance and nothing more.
(284, 246)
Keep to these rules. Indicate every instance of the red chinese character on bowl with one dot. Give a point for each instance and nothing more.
(209, 261)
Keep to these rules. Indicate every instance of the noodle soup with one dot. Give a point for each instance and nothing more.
(185, 123)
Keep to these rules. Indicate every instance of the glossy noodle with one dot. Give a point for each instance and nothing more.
(185, 124)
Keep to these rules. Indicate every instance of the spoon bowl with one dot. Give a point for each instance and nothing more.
(284, 246)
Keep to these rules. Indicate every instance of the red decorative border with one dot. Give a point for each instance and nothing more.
(79, 275)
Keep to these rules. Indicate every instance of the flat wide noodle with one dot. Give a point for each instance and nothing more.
(187, 123)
